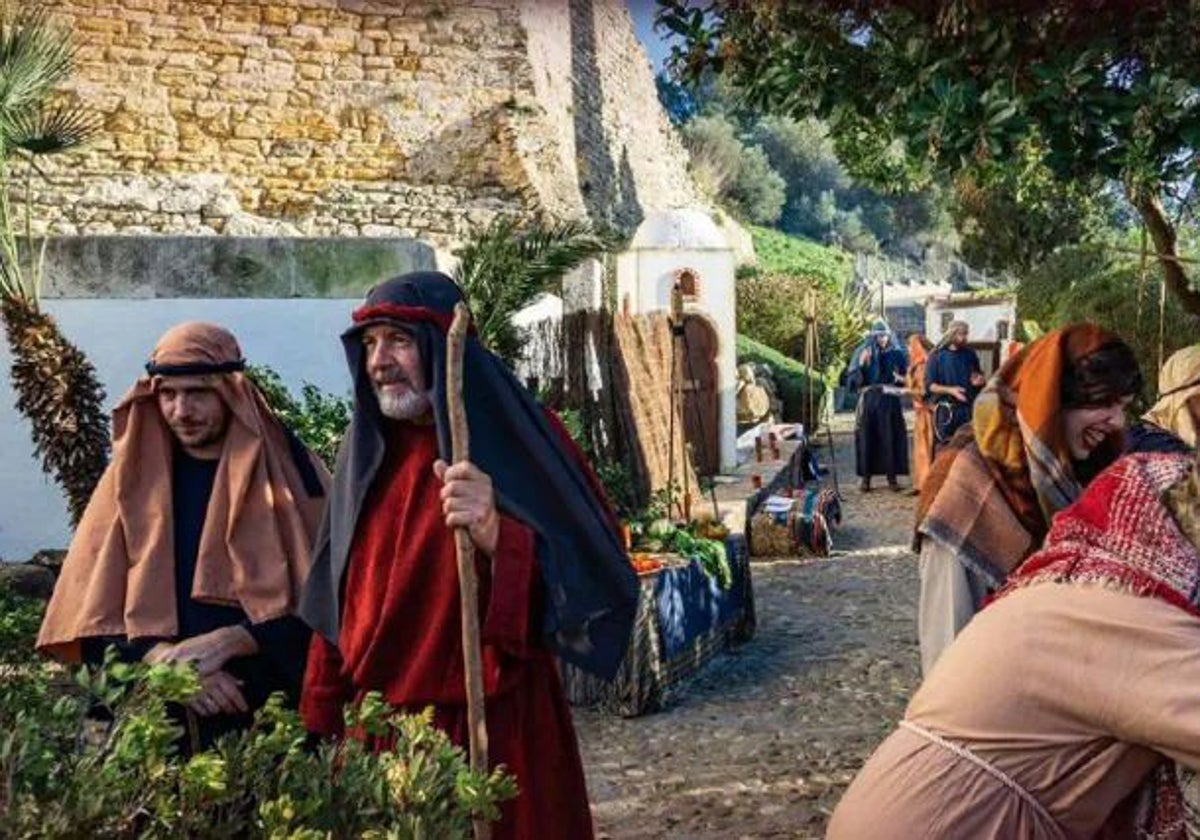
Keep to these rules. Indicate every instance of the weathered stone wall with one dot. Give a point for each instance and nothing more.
(345, 117)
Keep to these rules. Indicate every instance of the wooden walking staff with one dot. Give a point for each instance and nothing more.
(468, 585)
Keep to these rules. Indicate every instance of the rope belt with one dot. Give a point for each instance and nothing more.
(999, 775)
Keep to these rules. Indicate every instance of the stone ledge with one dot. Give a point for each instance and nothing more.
(150, 266)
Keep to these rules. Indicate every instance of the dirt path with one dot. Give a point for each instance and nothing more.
(765, 741)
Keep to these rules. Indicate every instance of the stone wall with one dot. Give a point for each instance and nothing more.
(413, 118)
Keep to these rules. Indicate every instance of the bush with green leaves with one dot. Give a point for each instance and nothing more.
(771, 307)
(318, 419)
(770, 298)
(735, 174)
(779, 253)
(799, 387)
(63, 775)
(614, 476)
(1092, 283)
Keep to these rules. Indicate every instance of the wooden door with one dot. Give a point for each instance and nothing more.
(698, 378)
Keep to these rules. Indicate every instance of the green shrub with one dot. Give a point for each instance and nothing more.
(736, 174)
(65, 777)
(771, 307)
(318, 419)
(1089, 283)
(779, 253)
(771, 298)
(794, 381)
(771, 311)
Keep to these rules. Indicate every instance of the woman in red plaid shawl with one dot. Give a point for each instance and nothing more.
(1068, 707)
(1049, 421)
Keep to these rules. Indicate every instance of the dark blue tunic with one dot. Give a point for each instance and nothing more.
(951, 368)
(880, 437)
(282, 643)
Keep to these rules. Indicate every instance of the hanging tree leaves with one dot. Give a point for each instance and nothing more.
(1106, 89)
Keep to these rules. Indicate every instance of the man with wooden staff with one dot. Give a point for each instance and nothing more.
(384, 595)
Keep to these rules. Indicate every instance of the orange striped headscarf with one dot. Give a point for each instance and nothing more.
(1019, 448)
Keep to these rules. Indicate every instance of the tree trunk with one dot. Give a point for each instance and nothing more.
(1162, 234)
(57, 390)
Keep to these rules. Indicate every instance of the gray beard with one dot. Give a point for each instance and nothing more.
(407, 406)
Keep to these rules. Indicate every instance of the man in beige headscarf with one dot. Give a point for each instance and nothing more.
(1170, 424)
(953, 379)
(196, 543)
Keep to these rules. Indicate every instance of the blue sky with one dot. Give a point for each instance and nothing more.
(643, 21)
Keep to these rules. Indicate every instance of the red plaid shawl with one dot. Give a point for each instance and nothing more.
(1122, 534)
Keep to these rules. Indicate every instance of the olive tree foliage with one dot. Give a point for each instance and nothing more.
(736, 174)
(1098, 90)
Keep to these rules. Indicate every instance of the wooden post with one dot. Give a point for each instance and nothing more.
(677, 366)
(468, 585)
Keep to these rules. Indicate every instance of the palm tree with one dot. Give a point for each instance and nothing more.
(56, 386)
(504, 266)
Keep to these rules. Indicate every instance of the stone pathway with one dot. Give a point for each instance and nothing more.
(767, 738)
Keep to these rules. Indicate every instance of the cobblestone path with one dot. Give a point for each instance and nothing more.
(767, 738)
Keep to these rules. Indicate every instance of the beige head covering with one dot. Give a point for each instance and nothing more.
(951, 329)
(1178, 381)
(118, 578)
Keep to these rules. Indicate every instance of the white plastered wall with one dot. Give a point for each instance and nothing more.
(645, 278)
(298, 338)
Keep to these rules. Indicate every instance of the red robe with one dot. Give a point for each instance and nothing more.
(401, 636)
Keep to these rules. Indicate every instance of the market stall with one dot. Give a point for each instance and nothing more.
(685, 617)
(797, 514)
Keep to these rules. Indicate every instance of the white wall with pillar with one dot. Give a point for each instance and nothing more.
(686, 246)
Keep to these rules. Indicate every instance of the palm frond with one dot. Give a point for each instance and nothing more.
(53, 130)
(35, 57)
(58, 390)
(509, 263)
(553, 251)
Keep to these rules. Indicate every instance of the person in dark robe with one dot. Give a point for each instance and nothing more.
(383, 597)
(196, 543)
(953, 379)
(877, 371)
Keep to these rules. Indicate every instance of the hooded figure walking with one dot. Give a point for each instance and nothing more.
(383, 596)
(876, 371)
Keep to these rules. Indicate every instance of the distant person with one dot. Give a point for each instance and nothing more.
(1046, 425)
(196, 542)
(918, 356)
(876, 371)
(1170, 424)
(953, 379)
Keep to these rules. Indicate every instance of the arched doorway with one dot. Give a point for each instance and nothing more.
(698, 378)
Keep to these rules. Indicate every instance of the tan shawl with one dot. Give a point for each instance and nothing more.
(118, 578)
(1178, 382)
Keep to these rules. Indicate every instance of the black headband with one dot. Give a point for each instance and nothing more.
(195, 368)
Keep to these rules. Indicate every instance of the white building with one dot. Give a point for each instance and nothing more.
(686, 247)
(991, 317)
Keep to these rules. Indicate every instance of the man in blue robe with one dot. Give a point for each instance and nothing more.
(953, 379)
(877, 371)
